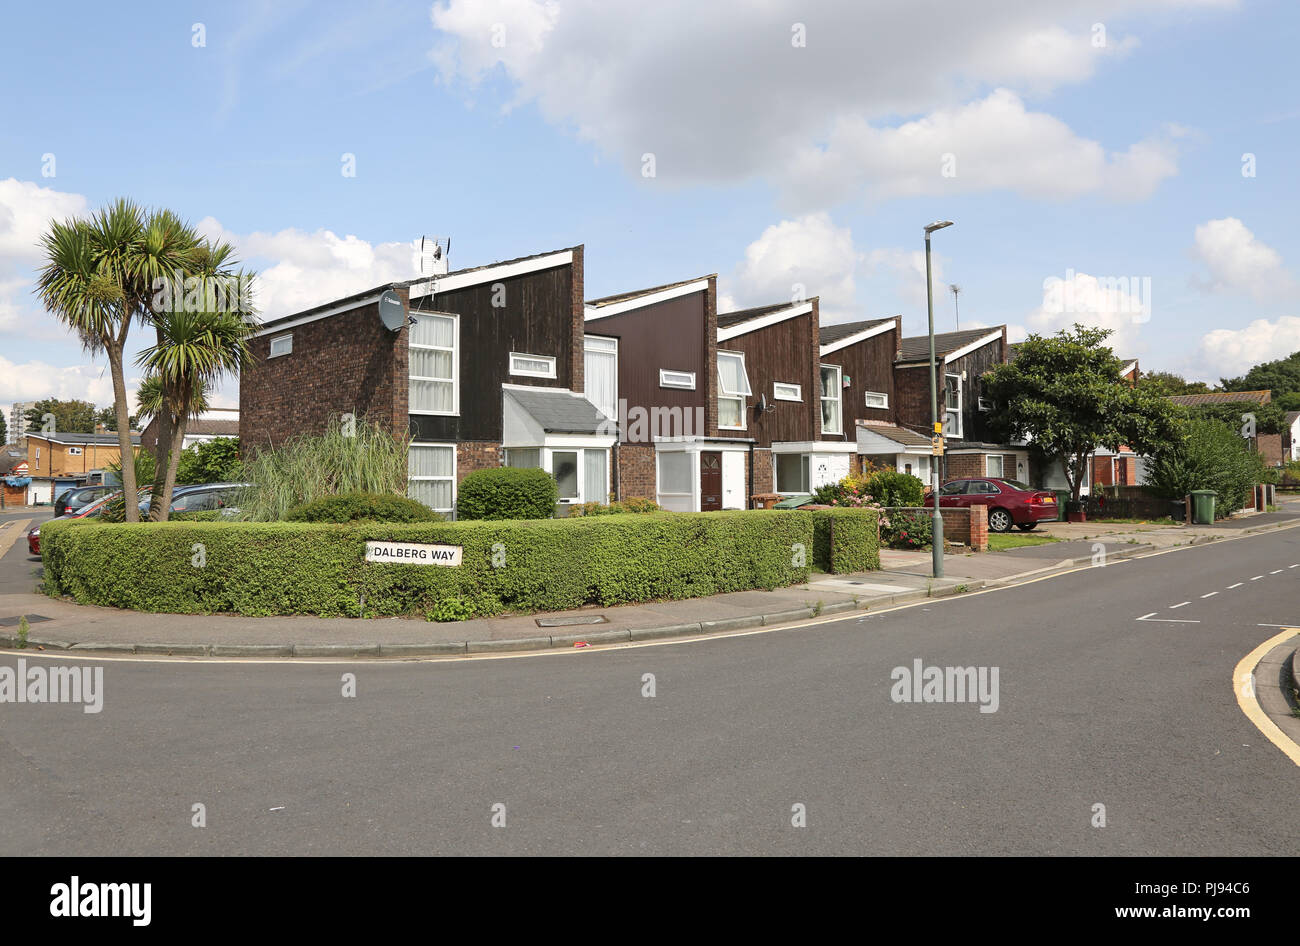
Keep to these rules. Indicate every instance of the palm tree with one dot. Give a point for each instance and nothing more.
(199, 341)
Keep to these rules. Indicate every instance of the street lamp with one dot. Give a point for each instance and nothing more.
(936, 531)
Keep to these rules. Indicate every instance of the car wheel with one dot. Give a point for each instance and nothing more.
(999, 520)
(1026, 526)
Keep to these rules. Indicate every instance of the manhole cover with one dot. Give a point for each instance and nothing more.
(31, 619)
(571, 622)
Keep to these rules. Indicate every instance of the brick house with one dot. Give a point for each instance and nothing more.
(1291, 436)
(56, 462)
(481, 367)
(1270, 447)
(651, 362)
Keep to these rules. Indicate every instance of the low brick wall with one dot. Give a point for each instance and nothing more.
(967, 526)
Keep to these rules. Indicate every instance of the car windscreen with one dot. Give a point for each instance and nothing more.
(1016, 484)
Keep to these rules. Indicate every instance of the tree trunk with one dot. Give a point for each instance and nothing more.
(162, 458)
(173, 463)
(127, 452)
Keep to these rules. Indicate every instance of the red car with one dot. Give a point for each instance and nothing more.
(1010, 502)
(89, 511)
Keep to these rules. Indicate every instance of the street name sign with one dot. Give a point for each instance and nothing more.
(412, 553)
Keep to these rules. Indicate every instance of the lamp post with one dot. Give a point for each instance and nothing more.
(936, 537)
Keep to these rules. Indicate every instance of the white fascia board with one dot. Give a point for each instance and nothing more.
(859, 337)
(575, 441)
(978, 343)
(316, 316)
(815, 446)
(1129, 367)
(592, 313)
(452, 281)
(744, 328)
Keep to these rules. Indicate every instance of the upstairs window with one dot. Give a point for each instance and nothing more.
(733, 388)
(781, 391)
(532, 366)
(677, 379)
(952, 405)
(876, 399)
(281, 345)
(832, 422)
(434, 340)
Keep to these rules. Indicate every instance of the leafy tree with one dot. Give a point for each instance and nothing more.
(98, 278)
(4, 429)
(70, 417)
(1207, 454)
(1166, 383)
(214, 461)
(1065, 393)
(1268, 417)
(108, 417)
(1280, 376)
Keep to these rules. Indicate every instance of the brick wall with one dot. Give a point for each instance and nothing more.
(711, 359)
(762, 471)
(636, 471)
(978, 535)
(347, 363)
(577, 324)
(964, 525)
(474, 455)
(965, 465)
(956, 525)
(1270, 448)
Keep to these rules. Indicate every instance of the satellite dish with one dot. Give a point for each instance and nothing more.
(762, 403)
(391, 311)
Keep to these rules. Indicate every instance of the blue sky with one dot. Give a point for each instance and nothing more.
(516, 126)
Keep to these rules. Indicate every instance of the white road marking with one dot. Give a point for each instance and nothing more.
(1237, 585)
(1179, 605)
(1292, 624)
(1210, 595)
(1257, 578)
(1275, 571)
(1296, 565)
(1145, 616)
(1148, 617)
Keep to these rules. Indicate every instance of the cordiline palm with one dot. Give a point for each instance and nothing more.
(196, 349)
(84, 282)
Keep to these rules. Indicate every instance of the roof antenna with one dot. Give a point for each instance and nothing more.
(434, 252)
(956, 291)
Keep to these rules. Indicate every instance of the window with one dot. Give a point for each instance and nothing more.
(433, 364)
(955, 488)
(677, 379)
(781, 391)
(876, 399)
(529, 458)
(595, 485)
(281, 345)
(993, 466)
(432, 475)
(733, 388)
(981, 486)
(676, 471)
(600, 374)
(532, 366)
(984, 404)
(74, 451)
(792, 473)
(831, 394)
(564, 467)
(952, 405)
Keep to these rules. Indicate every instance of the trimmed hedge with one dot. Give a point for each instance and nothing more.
(371, 507)
(257, 568)
(507, 493)
(846, 540)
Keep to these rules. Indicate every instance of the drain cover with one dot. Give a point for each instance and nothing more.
(31, 619)
(573, 621)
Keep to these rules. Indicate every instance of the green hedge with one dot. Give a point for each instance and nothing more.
(319, 568)
(507, 493)
(846, 540)
(370, 507)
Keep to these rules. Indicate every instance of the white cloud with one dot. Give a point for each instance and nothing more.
(908, 270)
(26, 209)
(34, 380)
(297, 270)
(1121, 304)
(740, 100)
(1229, 353)
(1236, 260)
(806, 257)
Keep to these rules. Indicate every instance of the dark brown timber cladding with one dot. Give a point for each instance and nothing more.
(346, 363)
(869, 365)
(670, 335)
(788, 352)
(912, 388)
(538, 318)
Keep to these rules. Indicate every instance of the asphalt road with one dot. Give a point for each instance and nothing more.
(1094, 707)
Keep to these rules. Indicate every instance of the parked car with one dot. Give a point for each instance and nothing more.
(88, 511)
(201, 497)
(72, 500)
(1010, 502)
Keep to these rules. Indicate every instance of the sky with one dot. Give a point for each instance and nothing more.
(1132, 164)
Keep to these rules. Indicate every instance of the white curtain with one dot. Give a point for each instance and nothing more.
(593, 487)
(600, 381)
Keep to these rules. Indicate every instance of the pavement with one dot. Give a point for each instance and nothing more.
(905, 576)
(1115, 699)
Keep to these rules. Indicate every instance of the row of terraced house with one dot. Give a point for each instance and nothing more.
(649, 393)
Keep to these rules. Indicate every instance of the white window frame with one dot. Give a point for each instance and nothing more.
(455, 364)
(602, 345)
(692, 476)
(74, 451)
(797, 390)
(884, 400)
(682, 380)
(529, 373)
(451, 478)
(281, 338)
(548, 461)
(988, 465)
(738, 395)
(948, 410)
(838, 398)
(805, 468)
(984, 404)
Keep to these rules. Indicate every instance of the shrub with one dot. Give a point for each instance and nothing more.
(908, 529)
(370, 507)
(357, 458)
(892, 488)
(633, 505)
(846, 540)
(507, 493)
(256, 568)
(212, 461)
(1208, 455)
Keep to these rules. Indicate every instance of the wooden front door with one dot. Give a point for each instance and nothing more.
(710, 480)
